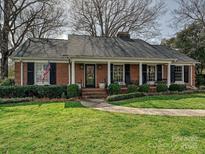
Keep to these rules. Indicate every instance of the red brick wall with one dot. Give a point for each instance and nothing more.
(79, 74)
(134, 72)
(101, 73)
(62, 74)
(165, 73)
(18, 73)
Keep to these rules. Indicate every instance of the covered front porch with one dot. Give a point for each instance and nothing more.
(100, 74)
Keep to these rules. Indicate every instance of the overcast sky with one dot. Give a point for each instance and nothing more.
(164, 21)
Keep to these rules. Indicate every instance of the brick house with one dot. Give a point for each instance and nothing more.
(88, 61)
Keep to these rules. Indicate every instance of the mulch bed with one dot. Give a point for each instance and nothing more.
(43, 100)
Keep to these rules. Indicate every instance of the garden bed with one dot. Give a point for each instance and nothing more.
(174, 101)
(141, 94)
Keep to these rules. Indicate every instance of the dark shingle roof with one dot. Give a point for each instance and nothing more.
(96, 47)
(173, 54)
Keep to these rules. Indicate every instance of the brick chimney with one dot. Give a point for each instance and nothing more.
(124, 35)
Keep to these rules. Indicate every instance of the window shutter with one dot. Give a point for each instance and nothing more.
(127, 73)
(144, 73)
(159, 72)
(30, 73)
(172, 74)
(186, 74)
(111, 72)
(53, 73)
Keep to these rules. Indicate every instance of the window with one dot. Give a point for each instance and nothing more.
(42, 73)
(178, 73)
(118, 73)
(151, 73)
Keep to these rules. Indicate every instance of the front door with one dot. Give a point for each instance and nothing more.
(89, 76)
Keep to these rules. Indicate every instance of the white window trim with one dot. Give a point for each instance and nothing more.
(180, 82)
(35, 75)
(117, 64)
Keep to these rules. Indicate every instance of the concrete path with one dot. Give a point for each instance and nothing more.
(103, 106)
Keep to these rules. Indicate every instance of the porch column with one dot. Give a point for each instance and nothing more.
(140, 74)
(22, 73)
(73, 72)
(69, 74)
(108, 73)
(169, 75)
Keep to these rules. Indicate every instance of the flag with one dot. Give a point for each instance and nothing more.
(46, 71)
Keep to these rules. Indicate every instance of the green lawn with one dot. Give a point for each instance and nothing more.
(191, 101)
(70, 128)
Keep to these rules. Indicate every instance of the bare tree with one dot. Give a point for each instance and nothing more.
(48, 23)
(108, 17)
(21, 18)
(190, 11)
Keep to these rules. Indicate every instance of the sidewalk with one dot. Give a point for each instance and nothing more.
(103, 106)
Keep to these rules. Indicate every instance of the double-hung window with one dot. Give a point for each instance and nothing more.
(178, 73)
(118, 73)
(42, 73)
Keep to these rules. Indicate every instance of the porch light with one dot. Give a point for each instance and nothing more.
(99, 67)
(81, 66)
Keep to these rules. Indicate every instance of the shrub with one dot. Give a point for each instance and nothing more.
(177, 87)
(32, 91)
(114, 89)
(8, 82)
(202, 87)
(132, 88)
(144, 88)
(162, 88)
(124, 96)
(73, 91)
(200, 80)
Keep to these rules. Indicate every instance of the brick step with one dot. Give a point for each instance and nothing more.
(152, 89)
(93, 96)
(95, 93)
(93, 90)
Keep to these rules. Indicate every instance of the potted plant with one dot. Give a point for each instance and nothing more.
(102, 85)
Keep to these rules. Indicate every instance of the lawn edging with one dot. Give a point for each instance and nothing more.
(141, 94)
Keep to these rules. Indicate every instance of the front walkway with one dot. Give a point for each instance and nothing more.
(103, 106)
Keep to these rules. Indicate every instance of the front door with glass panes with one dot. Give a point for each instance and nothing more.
(90, 76)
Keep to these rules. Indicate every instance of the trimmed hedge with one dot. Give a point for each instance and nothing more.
(177, 87)
(162, 88)
(124, 96)
(32, 91)
(132, 88)
(144, 88)
(114, 89)
(73, 91)
(7, 82)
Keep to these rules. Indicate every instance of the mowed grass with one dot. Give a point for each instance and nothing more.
(189, 101)
(70, 128)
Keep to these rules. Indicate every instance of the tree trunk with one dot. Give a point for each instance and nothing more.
(4, 67)
(5, 40)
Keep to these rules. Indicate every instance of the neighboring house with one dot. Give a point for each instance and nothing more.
(88, 61)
